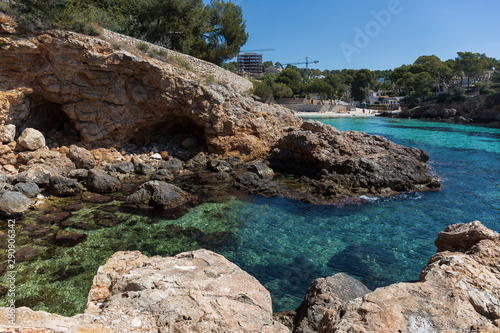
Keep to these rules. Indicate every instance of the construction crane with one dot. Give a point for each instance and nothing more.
(307, 62)
(261, 50)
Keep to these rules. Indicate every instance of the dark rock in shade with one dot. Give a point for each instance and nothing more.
(13, 204)
(144, 169)
(79, 174)
(252, 183)
(68, 239)
(101, 182)
(462, 236)
(95, 198)
(159, 195)
(219, 165)
(199, 161)
(25, 254)
(261, 169)
(73, 207)
(121, 167)
(173, 164)
(30, 190)
(54, 217)
(38, 175)
(325, 294)
(64, 187)
(163, 175)
(222, 175)
(82, 158)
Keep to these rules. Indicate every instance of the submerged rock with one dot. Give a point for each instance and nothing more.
(159, 195)
(68, 239)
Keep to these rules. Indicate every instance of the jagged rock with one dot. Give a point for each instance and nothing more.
(159, 195)
(199, 161)
(82, 158)
(31, 139)
(13, 204)
(174, 165)
(68, 239)
(197, 291)
(261, 169)
(456, 292)
(252, 183)
(64, 187)
(39, 175)
(144, 169)
(7, 133)
(79, 174)
(162, 175)
(222, 176)
(325, 294)
(30, 190)
(351, 163)
(121, 167)
(219, 166)
(3, 180)
(101, 182)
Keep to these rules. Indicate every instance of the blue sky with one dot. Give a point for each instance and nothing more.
(395, 32)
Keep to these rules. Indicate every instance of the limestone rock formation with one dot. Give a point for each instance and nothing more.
(104, 97)
(7, 133)
(351, 162)
(456, 292)
(197, 291)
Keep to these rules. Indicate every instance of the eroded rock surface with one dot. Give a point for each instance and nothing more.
(456, 292)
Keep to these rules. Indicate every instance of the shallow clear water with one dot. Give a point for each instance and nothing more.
(286, 244)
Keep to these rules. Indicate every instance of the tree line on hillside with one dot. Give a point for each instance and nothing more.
(214, 32)
(427, 77)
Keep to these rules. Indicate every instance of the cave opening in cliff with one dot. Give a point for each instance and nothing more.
(180, 136)
(56, 126)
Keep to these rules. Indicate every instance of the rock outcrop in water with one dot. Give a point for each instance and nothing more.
(201, 291)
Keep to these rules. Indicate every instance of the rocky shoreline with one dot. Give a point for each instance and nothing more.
(201, 291)
(478, 109)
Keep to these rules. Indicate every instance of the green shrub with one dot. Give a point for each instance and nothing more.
(486, 91)
(210, 79)
(143, 47)
(263, 91)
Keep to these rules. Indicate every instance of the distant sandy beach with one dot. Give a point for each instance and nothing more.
(355, 113)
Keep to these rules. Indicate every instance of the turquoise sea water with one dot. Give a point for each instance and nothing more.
(286, 244)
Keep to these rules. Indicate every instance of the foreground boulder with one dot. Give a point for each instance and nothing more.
(13, 204)
(458, 291)
(197, 291)
(159, 195)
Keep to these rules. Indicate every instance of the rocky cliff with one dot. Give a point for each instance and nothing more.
(201, 291)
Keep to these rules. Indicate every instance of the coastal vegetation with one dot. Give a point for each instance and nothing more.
(428, 78)
(214, 32)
